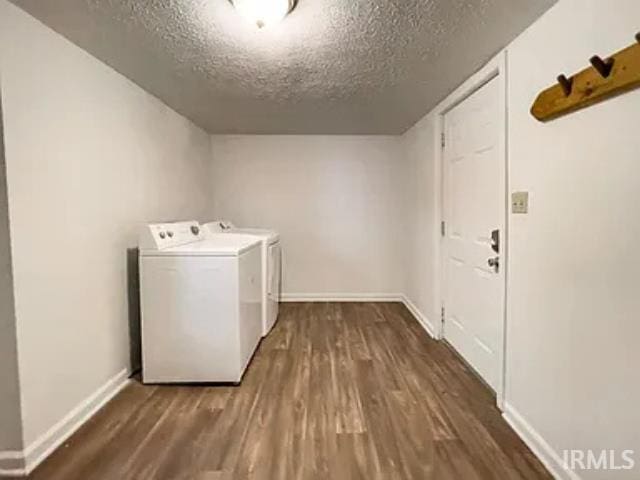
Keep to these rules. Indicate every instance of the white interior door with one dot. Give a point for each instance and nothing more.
(474, 207)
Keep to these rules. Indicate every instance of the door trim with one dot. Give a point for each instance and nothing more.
(495, 69)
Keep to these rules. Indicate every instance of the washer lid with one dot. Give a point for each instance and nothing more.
(214, 246)
(270, 235)
(224, 227)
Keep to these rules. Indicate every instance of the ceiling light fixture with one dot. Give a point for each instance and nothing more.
(264, 12)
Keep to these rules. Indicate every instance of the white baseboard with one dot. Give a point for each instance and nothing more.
(341, 297)
(422, 320)
(43, 446)
(538, 445)
(11, 463)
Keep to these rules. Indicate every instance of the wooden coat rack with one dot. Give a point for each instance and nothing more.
(604, 79)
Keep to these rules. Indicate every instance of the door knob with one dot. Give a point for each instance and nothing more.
(494, 263)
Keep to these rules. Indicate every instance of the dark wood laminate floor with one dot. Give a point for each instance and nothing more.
(337, 391)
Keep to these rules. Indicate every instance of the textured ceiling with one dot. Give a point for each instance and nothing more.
(332, 66)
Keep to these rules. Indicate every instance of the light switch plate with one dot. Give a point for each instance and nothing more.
(520, 202)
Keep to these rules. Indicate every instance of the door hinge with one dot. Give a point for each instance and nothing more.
(443, 228)
(442, 315)
(443, 139)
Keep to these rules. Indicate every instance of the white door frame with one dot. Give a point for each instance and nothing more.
(495, 69)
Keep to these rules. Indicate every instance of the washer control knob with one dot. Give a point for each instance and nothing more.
(170, 234)
(162, 235)
(195, 229)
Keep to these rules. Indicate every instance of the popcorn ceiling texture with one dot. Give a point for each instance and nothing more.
(331, 67)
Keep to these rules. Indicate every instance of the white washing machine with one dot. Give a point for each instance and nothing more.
(271, 267)
(201, 303)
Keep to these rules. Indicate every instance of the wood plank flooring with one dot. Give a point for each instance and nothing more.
(337, 391)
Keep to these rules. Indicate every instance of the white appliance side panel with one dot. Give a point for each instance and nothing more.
(250, 291)
(274, 268)
(189, 319)
(264, 251)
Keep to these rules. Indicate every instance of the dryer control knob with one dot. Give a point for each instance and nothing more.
(195, 230)
(162, 235)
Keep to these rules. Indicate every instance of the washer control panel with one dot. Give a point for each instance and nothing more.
(158, 236)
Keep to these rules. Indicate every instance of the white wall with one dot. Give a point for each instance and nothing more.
(573, 303)
(10, 424)
(357, 216)
(89, 156)
(574, 307)
(336, 200)
(422, 217)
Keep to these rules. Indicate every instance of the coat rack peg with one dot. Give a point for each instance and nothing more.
(566, 84)
(602, 66)
(603, 79)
